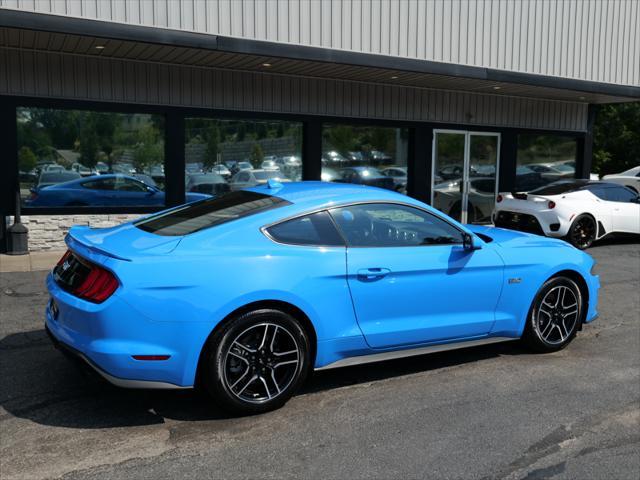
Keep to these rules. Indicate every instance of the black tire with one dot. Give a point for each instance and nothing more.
(239, 351)
(553, 320)
(583, 231)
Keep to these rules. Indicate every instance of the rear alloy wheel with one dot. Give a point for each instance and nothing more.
(582, 232)
(555, 315)
(257, 361)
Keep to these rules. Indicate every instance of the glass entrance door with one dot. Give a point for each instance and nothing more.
(465, 174)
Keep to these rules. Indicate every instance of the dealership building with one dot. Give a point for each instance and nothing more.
(450, 101)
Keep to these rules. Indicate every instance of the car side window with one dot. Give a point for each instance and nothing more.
(102, 184)
(315, 229)
(127, 185)
(393, 225)
(619, 194)
(597, 190)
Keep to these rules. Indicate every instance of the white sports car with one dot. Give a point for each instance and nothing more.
(629, 178)
(581, 211)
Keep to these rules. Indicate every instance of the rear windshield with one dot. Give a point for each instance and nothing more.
(58, 177)
(209, 213)
(558, 188)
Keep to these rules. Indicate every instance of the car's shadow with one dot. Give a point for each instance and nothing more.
(40, 384)
(616, 239)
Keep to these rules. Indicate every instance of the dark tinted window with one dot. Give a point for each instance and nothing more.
(558, 188)
(129, 185)
(208, 213)
(597, 190)
(315, 229)
(100, 184)
(391, 225)
(615, 193)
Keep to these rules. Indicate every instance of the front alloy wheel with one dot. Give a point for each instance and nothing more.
(257, 361)
(555, 315)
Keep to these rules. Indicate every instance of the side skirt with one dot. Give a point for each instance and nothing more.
(382, 356)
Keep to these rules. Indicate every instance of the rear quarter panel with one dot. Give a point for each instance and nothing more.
(213, 273)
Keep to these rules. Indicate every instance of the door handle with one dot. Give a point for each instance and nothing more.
(373, 273)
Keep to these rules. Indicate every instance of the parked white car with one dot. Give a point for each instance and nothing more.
(221, 170)
(270, 165)
(251, 178)
(629, 178)
(581, 211)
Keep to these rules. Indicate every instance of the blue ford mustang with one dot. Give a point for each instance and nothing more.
(247, 292)
(101, 191)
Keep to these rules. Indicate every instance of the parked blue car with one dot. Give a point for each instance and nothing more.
(248, 292)
(101, 191)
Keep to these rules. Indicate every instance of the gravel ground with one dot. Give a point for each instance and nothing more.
(487, 412)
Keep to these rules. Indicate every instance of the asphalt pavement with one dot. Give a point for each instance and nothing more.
(488, 412)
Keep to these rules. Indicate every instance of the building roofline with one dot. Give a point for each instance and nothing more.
(10, 18)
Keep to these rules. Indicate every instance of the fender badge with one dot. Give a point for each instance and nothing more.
(515, 280)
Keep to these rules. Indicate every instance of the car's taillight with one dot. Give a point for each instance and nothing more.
(97, 286)
(499, 198)
(64, 258)
(551, 204)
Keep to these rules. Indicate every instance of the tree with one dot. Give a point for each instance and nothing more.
(213, 141)
(616, 143)
(341, 137)
(149, 149)
(89, 148)
(257, 155)
(26, 159)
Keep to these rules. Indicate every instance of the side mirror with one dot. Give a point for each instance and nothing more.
(151, 190)
(467, 242)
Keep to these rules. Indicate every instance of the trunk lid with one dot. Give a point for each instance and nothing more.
(123, 242)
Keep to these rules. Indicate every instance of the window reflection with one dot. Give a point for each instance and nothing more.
(543, 159)
(79, 158)
(375, 156)
(224, 155)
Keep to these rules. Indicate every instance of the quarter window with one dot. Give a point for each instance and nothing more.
(391, 225)
(208, 213)
(316, 229)
(618, 194)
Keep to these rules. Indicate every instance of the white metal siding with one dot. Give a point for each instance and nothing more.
(596, 40)
(40, 74)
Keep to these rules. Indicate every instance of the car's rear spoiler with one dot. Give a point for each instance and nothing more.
(519, 195)
(74, 242)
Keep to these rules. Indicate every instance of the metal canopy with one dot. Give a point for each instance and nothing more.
(51, 33)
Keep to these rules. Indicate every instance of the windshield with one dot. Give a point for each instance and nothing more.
(209, 213)
(370, 172)
(267, 175)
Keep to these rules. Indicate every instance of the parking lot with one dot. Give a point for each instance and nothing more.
(487, 412)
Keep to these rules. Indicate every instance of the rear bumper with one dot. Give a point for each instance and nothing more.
(545, 222)
(118, 382)
(107, 336)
